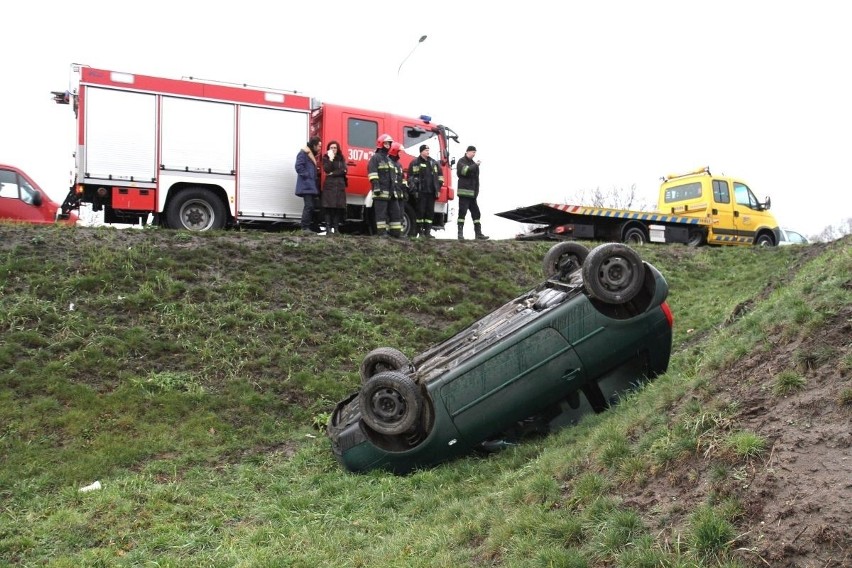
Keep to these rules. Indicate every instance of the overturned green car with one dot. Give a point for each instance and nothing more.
(597, 327)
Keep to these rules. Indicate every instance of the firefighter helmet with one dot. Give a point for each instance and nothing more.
(382, 139)
(394, 149)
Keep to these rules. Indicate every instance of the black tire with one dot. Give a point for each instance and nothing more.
(564, 256)
(613, 273)
(635, 236)
(696, 238)
(196, 209)
(764, 240)
(384, 359)
(409, 220)
(390, 403)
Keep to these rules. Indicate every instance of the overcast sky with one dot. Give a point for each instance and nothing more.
(559, 98)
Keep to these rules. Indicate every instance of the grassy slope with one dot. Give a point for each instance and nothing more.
(188, 373)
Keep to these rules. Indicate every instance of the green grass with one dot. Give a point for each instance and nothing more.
(194, 374)
(788, 381)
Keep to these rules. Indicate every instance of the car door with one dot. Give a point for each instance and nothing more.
(511, 381)
(20, 201)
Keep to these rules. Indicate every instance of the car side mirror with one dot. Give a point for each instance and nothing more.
(768, 203)
(37, 199)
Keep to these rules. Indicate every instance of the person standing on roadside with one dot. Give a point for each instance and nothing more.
(380, 172)
(425, 179)
(468, 172)
(400, 191)
(306, 182)
(333, 196)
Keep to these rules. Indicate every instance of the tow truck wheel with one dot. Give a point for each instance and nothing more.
(696, 239)
(196, 209)
(384, 359)
(635, 236)
(390, 403)
(564, 257)
(613, 273)
(764, 240)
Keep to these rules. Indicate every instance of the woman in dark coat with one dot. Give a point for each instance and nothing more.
(333, 196)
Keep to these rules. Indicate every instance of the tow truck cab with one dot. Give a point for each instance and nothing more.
(737, 216)
(21, 199)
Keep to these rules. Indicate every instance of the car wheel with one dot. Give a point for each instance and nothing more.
(613, 273)
(564, 258)
(384, 359)
(390, 403)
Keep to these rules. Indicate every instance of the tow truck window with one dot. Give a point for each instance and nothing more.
(744, 196)
(683, 192)
(721, 191)
(362, 133)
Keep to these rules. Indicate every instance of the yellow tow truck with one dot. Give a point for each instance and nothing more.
(694, 208)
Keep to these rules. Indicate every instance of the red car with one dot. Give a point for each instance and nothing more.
(21, 199)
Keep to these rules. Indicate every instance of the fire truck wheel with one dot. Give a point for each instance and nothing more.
(196, 209)
(390, 403)
(635, 236)
(564, 257)
(613, 273)
(408, 221)
(384, 359)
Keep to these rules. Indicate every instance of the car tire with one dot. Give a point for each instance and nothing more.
(557, 259)
(390, 403)
(384, 359)
(613, 273)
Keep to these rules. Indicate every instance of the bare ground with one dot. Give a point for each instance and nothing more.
(797, 498)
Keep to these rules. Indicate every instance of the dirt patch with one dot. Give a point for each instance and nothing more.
(797, 498)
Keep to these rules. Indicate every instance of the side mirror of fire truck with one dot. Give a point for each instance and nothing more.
(61, 97)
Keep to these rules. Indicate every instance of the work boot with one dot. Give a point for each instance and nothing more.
(461, 232)
(478, 230)
(415, 231)
(427, 232)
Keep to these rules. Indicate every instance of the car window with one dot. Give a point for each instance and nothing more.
(8, 184)
(796, 238)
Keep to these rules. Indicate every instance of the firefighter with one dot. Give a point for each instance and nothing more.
(380, 172)
(425, 179)
(400, 189)
(468, 172)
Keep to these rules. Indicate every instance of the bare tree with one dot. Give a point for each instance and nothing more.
(614, 198)
(834, 232)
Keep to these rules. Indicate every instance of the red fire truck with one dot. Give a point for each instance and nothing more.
(202, 155)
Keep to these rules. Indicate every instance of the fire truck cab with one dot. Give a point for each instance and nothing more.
(201, 155)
